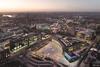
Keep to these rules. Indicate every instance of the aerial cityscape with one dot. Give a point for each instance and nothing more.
(54, 37)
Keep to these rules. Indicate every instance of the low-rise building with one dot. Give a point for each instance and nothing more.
(86, 34)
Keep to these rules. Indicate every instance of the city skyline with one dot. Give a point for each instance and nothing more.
(49, 5)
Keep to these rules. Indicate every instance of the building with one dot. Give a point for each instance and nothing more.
(86, 34)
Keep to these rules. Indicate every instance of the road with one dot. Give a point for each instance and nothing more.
(33, 62)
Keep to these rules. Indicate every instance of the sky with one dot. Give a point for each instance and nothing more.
(49, 5)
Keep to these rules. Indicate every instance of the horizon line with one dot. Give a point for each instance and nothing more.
(52, 12)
